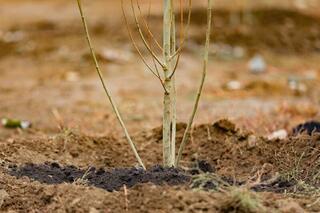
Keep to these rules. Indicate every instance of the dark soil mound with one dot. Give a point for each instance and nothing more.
(309, 127)
(110, 180)
(115, 179)
(279, 185)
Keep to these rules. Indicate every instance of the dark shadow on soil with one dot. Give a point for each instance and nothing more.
(110, 180)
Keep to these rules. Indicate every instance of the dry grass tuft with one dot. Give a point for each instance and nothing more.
(241, 200)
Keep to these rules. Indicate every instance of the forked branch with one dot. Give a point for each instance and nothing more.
(153, 54)
(114, 107)
(147, 27)
(156, 72)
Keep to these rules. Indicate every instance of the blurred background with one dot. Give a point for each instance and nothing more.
(263, 73)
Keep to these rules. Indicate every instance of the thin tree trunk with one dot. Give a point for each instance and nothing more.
(173, 93)
(167, 152)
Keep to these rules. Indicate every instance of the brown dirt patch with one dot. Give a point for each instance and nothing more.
(278, 30)
(284, 31)
(227, 148)
(39, 77)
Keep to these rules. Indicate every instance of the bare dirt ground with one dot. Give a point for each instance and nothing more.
(46, 74)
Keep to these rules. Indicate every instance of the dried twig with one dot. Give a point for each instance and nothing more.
(58, 118)
(126, 200)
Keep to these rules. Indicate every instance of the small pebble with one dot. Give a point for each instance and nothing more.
(233, 85)
(252, 141)
(279, 134)
(257, 64)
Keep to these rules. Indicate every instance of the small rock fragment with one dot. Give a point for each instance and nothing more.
(296, 86)
(257, 64)
(233, 85)
(280, 135)
(252, 141)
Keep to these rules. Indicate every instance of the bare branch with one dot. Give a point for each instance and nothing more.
(181, 38)
(147, 27)
(143, 37)
(114, 107)
(204, 72)
(175, 66)
(156, 74)
(156, 68)
(181, 21)
(185, 32)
